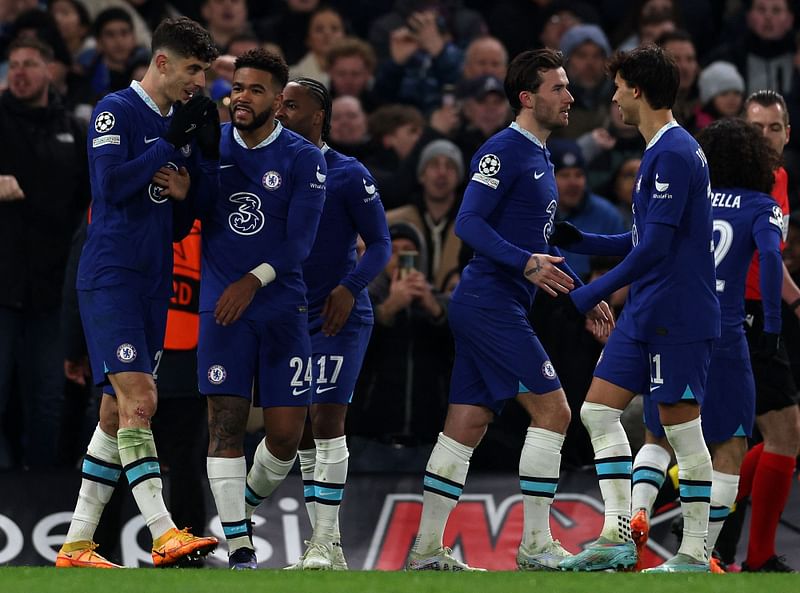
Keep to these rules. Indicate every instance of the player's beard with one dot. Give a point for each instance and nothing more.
(259, 119)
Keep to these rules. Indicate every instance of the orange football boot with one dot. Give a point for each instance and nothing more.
(177, 545)
(81, 554)
(640, 531)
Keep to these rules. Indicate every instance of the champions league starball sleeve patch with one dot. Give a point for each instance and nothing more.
(104, 122)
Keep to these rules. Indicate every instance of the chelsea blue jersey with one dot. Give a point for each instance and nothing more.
(506, 215)
(674, 301)
(739, 215)
(267, 211)
(352, 207)
(129, 238)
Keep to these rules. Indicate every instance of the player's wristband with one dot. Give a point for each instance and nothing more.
(265, 273)
(794, 304)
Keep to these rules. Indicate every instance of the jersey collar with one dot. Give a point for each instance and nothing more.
(325, 148)
(137, 87)
(667, 126)
(265, 142)
(515, 126)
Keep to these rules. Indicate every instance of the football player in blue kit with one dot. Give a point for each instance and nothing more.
(143, 157)
(746, 218)
(339, 314)
(507, 217)
(253, 309)
(662, 343)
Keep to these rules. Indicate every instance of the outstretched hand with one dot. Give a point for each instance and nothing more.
(543, 272)
(601, 319)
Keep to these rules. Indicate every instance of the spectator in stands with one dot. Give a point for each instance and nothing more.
(485, 56)
(560, 18)
(423, 58)
(764, 55)
(395, 131)
(154, 11)
(576, 203)
(242, 43)
(66, 80)
(225, 19)
(463, 24)
(44, 188)
(654, 19)
(721, 93)
(620, 188)
(440, 172)
(604, 150)
(401, 396)
(680, 45)
(74, 24)
(351, 67)
(586, 48)
(288, 28)
(325, 28)
(349, 128)
(484, 110)
(108, 66)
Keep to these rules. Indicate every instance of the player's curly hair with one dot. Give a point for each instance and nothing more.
(261, 59)
(525, 73)
(738, 155)
(186, 38)
(652, 69)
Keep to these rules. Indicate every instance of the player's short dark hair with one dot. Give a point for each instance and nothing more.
(738, 155)
(653, 70)
(321, 94)
(768, 98)
(111, 15)
(264, 60)
(525, 73)
(184, 37)
(32, 43)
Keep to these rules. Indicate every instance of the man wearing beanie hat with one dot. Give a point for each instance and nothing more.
(440, 172)
(576, 204)
(586, 48)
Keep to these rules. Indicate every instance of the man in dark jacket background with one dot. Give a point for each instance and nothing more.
(44, 188)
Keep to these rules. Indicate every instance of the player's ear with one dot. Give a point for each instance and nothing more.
(526, 99)
(161, 61)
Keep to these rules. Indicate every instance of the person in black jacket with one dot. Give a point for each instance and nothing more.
(44, 188)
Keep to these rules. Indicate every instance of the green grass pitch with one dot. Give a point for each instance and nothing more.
(46, 580)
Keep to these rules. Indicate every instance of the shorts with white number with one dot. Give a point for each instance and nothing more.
(124, 331)
(729, 404)
(663, 373)
(268, 360)
(337, 362)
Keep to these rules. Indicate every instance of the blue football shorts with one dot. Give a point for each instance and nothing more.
(268, 361)
(728, 408)
(497, 356)
(124, 331)
(337, 362)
